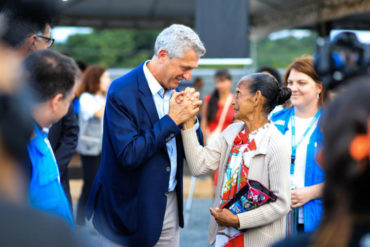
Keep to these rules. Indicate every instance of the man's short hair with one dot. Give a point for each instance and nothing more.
(24, 18)
(49, 73)
(177, 38)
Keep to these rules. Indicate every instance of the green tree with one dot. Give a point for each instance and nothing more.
(117, 48)
(110, 48)
(279, 53)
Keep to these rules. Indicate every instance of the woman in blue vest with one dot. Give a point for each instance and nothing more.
(298, 121)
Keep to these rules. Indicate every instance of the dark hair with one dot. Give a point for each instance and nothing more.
(269, 88)
(221, 74)
(91, 80)
(23, 18)
(82, 65)
(346, 186)
(304, 65)
(272, 71)
(197, 79)
(49, 73)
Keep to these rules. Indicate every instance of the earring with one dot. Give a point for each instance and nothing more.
(318, 96)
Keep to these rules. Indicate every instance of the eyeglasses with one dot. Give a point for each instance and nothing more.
(49, 41)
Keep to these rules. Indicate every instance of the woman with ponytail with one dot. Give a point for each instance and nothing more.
(251, 149)
(217, 112)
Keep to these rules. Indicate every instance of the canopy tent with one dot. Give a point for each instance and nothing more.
(265, 16)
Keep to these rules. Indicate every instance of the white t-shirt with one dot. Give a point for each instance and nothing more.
(89, 104)
(297, 179)
(91, 128)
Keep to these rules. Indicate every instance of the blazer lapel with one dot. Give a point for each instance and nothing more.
(146, 96)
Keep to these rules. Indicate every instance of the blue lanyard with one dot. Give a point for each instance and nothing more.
(294, 144)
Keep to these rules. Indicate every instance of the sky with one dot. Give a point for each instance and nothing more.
(363, 36)
(284, 33)
(60, 34)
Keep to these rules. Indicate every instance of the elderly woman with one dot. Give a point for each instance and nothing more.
(250, 149)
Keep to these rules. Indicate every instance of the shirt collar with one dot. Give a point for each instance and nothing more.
(38, 129)
(259, 133)
(154, 85)
(45, 131)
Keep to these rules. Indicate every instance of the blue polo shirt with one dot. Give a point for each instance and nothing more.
(45, 190)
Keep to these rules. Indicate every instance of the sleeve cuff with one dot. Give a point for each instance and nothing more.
(196, 125)
(172, 128)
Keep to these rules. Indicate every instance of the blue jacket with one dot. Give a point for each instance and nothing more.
(45, 191)
(312, 210)
(128, 197)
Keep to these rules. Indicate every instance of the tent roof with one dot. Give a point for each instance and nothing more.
(266, 16)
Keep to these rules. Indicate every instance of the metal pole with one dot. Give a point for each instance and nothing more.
(189, 200)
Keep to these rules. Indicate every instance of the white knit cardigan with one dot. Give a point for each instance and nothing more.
(269, 165)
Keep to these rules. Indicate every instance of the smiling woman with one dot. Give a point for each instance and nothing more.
(299, 123)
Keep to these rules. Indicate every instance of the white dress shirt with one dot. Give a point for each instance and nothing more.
(162, 104)
(161, 99)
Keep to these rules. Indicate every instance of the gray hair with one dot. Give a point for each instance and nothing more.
(177, 38)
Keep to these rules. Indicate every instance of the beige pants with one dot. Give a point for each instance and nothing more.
(170, 236)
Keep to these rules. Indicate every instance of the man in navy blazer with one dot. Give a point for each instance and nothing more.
(137, 197)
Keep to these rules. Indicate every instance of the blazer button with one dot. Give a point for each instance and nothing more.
(168, 169)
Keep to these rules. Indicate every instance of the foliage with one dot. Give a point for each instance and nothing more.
(110, 48)
(279, 53)
(117, 48)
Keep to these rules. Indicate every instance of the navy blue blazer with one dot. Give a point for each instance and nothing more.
(63, 137)
(128, 198)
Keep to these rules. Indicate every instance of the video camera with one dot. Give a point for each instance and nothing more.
(341, 58)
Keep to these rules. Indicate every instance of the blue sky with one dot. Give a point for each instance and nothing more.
(60, 34)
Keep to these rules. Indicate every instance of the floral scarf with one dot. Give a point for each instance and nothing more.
(235, 178)
(236, 171)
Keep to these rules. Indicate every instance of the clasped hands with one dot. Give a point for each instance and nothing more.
(184, 106)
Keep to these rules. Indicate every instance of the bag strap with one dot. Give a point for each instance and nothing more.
(223, 113)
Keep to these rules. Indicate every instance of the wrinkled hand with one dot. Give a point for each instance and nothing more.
(224, 217)
(182, 107)
(189, 94)
(300, 197)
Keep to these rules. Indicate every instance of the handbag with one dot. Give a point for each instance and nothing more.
(251, 196)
